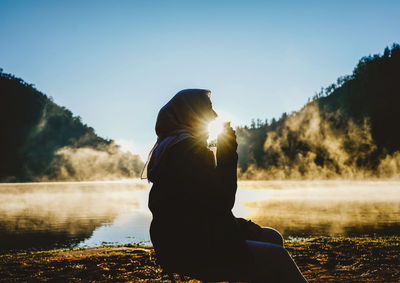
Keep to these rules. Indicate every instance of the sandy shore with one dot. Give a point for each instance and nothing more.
(320, 259)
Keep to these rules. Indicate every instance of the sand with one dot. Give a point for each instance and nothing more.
(360, 259)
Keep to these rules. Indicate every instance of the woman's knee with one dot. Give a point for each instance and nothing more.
(273, 236)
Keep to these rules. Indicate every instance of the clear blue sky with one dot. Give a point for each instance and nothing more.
(115, 63)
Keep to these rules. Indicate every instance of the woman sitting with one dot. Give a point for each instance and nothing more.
(193, 229)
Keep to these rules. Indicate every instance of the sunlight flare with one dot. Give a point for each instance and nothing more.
(215, 127)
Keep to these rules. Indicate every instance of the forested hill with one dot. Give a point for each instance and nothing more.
(43, 141)
(348, 130)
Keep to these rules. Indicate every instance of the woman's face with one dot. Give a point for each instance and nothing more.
(208, 117)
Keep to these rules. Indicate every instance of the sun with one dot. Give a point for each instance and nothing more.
(215, 128)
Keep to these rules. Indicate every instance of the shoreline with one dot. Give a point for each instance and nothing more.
(144, 181)
(322, 259)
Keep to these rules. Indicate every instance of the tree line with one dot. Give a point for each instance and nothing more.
(348, 129)
(34, 130)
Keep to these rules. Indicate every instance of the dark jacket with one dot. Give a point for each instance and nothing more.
(191, 203)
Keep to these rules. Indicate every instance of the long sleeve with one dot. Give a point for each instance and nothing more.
(227, 165)
(205, 184)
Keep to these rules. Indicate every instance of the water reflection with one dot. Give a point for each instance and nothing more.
(54, 215)
(323, 208)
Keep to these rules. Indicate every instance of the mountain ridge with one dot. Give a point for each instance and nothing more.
(44, 141)
(347, 130)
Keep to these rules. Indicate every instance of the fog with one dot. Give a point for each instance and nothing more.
(322, 207)
(73, 214)
(108, 162)
(318, 144)
(49, 215)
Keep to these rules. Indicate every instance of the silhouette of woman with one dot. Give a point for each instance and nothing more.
(193, 230)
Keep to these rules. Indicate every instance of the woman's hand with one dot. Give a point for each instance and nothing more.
(227, 139)
(226, 147)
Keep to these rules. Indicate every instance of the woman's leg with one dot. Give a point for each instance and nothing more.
(254, 232)
(273, 264)
(271, 235)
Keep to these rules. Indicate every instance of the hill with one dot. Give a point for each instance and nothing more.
(44, 141)
(347, 130)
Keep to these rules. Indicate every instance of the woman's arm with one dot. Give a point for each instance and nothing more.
(207, 185)
(227, 161)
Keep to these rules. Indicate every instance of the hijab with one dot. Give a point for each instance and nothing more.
(184, 116)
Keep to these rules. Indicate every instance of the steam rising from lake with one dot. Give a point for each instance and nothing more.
(322, 207)
(49, 215)
(315, 143)
(108, 162)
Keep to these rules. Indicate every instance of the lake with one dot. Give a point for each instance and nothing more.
(84, 214)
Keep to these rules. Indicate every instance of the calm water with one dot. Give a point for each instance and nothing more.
(55, 215)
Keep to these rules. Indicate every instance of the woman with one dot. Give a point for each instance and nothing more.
(193, 229)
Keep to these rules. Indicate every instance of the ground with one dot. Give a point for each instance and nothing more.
(361, 259)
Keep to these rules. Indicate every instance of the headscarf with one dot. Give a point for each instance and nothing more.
(181, 118)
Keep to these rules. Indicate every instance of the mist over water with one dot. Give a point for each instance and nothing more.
(108, 162)
(54, 215)
(328, 208)
(77, 214)
(315, 143)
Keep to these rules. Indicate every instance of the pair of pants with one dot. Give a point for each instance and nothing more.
(272, 262)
